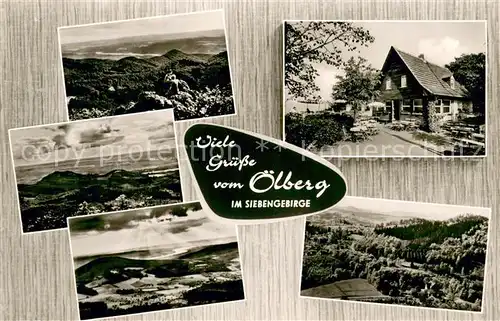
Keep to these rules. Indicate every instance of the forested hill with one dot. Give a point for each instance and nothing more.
(432, 231)
(92, 76)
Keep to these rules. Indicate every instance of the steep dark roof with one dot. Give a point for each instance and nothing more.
(431, 76)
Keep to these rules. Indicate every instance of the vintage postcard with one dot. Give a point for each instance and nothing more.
(397, 253)
(152, 259)
(92, 166)
(386, 88)
(122, 67)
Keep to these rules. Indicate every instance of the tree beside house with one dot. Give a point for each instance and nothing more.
(358, 86)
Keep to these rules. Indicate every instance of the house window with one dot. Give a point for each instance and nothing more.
(437, 106)
(403, 81)
(446, 103)
(388, 84)
(388, 106)
(417, 105)
(407, 105)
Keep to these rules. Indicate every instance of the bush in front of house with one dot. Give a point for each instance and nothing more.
(431, 120)
(298, 132)
(317, 129)
(342, 118)
(328, 132)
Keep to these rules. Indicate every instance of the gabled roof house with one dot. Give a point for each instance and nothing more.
(409, 81)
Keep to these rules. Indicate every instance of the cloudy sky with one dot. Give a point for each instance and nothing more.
(143, 229)
(412, 209)
(85, 139)
(440, 42)
(173, 24)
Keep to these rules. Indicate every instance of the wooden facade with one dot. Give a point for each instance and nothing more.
(396, 68)
(402, 88)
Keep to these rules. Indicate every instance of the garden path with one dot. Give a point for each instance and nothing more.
(387, 143)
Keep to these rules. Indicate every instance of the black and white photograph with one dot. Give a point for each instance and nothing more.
(177, 62)
(92, 166)
(397, 253)
(153, 259)
(388, 88)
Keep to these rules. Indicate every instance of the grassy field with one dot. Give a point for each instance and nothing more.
(347, 289)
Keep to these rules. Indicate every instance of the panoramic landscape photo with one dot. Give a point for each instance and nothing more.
(386, 88)
(92, 166)
(177, 62)
(152, 259)
(400, 253)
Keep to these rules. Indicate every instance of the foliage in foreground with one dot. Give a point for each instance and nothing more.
(308, 42)
(316, 130)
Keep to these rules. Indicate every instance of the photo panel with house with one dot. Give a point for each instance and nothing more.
(385, 88)
(397, 253)
(92, 166)
(153, 259)
(177, 62)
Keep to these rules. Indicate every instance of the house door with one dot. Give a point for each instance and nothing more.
(396, 107)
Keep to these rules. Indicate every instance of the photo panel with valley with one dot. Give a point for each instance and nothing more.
(177, 62)
(397, 253)
(385, 88)
(153, 259)
(92, 166)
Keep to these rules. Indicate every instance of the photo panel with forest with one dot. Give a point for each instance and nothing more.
(388, 88)
(397, 253)
(92, 166)
(177, 62)
(153, 259)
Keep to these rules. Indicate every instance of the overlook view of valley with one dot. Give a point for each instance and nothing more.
(152, 259)
(383, 251)
(94, 166)
(173, 62)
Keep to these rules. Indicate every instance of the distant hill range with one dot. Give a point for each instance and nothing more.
(189, 249)
(354, 216)
(204, 42)
(176, 266)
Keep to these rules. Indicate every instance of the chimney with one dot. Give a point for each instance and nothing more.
(421, 56)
